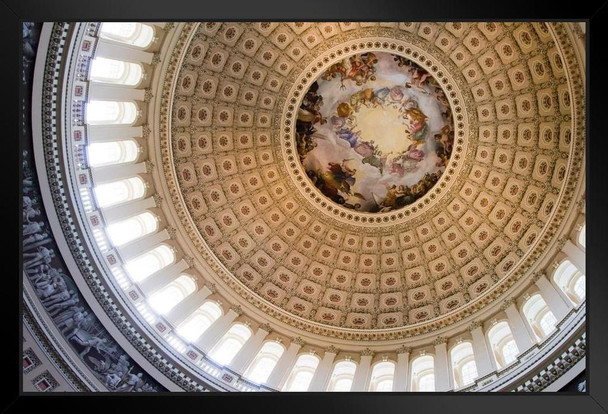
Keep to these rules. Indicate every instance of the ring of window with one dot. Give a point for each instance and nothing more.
(141, 267)
(199, 321)
(125, 231)
(503, 344)
(118, 192)
(382, 377)
(302, 373)
(265, 361)
(230, 344)
(463, 364)
(541, 319)
(582, 236)
(110, 113)
(100, 154)
(423, 373)
(118, 72)
(163, 300)
(134, 34)
(342, 376)
(572, 282)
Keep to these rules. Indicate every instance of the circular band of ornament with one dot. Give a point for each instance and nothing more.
(362, 100)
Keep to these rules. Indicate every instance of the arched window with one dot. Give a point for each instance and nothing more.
(115, 71)
(135, 34)
(463, 364)
(166, 298)
(264, 362)
(152, 261)
(110, 113)
(125, 231)
(120, 191)
(230, 344)
(342, 377)
(582, 236)
(423, 373)
(579, 287)
(110, 153)
(199, 321)
(302, 373)
(503, 344)
(383, 374)
(570, 281)
(541, 319)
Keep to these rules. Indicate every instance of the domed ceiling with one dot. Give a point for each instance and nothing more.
(369, 181)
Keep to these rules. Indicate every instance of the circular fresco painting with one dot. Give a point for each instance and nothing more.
(374, 132)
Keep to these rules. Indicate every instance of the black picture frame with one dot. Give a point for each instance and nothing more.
(594, 13)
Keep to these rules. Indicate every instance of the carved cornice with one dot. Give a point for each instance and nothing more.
(367, 352)
(332, 349)
(440, 340)
(538, 275)
(266, 327)
(237, 309)
(475, 324)
(507, 303)
(404, 349)
(211, 287)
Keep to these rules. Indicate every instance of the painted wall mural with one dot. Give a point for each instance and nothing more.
(374, 132)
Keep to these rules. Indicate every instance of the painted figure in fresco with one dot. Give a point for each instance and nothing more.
(310, 108)
(419, 78)
(365, 97)
(338, 178)
(304, 139)
(352, 137)
(444, 142)
(390, 201)
(416, 124)
(361, 68)
(407, 161)
(413, 153)
(355, 206)
(402, 61)
(376, 158)
(408, 103)
(358, 68)
(380, 96)
(395, 97)
(344, 110)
